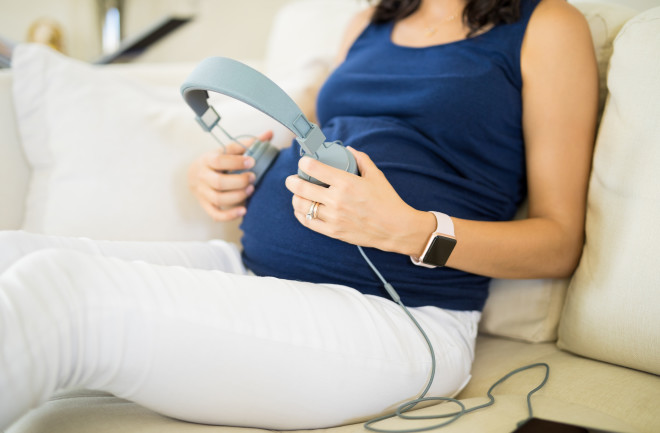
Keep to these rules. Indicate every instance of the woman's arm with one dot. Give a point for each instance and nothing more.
(560, 100)
(559, 115)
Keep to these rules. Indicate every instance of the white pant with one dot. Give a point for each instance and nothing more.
(210, 346)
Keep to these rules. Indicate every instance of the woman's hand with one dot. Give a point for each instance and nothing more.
(362, 210)
(222, 195)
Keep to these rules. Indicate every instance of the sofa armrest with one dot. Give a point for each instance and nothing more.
(14, 170)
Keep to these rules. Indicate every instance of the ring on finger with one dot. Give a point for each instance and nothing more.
(313, 211)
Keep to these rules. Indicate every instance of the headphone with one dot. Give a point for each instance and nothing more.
(239, 81)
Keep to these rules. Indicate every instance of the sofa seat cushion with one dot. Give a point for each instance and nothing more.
(628, 395)
(580, 391)
(88, 411)
(92, 411)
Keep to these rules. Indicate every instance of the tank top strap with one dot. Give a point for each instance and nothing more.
(527, 7)
(507, 39)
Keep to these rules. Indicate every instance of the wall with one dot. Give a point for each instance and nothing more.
(635, 4)
(234, 28)
(76, 16)
(229, 28)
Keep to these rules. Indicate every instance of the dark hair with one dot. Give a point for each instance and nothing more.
(477, 13)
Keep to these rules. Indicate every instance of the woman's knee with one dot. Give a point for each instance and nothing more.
(52, 272)
(13, 246)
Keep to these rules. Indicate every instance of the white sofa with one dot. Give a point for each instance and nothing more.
(102, 153)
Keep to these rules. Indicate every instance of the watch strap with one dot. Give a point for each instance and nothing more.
(444, 227)
(445, 224)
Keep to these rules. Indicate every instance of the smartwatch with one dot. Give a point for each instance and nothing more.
(440, 244)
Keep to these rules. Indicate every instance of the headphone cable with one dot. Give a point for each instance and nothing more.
(453, 416)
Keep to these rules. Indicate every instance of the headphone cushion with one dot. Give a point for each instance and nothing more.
(264, 155)
(335, 155)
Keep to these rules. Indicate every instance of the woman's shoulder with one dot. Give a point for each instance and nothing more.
(557, 30)
(555, 18)
(355, 27)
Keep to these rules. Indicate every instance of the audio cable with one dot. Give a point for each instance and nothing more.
(453, 416)
(235, 139)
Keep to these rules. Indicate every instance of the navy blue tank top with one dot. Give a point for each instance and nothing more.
(444, 124)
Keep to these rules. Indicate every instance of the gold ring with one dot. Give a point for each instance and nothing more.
(313, 211)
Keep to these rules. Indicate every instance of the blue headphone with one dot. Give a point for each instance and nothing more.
(239, 81)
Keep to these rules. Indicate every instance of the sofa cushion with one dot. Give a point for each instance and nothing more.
(612, 312)
(322, 22)
(529, 310)
(579, 391)
(627, 395)
(84, 412)
(526, 310)
(605, 21)
(109, 154)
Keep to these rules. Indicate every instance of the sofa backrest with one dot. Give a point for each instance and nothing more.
(612, 312)
(530, 310)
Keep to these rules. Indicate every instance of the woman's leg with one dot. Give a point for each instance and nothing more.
(214, 347)
(218, 255)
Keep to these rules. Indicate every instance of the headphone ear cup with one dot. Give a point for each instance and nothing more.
(264, 155)
(335, 155)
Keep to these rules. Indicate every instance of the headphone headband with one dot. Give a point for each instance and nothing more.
(239, 81)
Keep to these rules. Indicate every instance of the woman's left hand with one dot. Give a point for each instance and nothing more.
(362, 210)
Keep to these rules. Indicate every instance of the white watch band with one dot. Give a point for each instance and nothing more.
(444, 226)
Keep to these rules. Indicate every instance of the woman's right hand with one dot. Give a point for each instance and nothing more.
(222, 195)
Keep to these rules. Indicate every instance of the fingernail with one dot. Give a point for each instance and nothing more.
(252, 177)
(303, 161)
(249, 190)
(248, 161)
(240, 211)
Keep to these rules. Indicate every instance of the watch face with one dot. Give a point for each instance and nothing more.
(439, 250)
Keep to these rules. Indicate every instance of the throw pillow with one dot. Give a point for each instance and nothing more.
(109, 154)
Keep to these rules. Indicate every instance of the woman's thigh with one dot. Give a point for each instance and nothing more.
(217, 255)
(219, 348)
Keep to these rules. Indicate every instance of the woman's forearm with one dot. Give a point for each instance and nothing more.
(528, 248)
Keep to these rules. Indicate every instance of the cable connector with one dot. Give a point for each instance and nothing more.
(390, 289)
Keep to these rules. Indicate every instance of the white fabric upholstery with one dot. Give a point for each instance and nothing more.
(529, 310)
(14, 171)
(307, 31)
(612, 311)
(605, 22)
(109, 154)
(526, 310)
